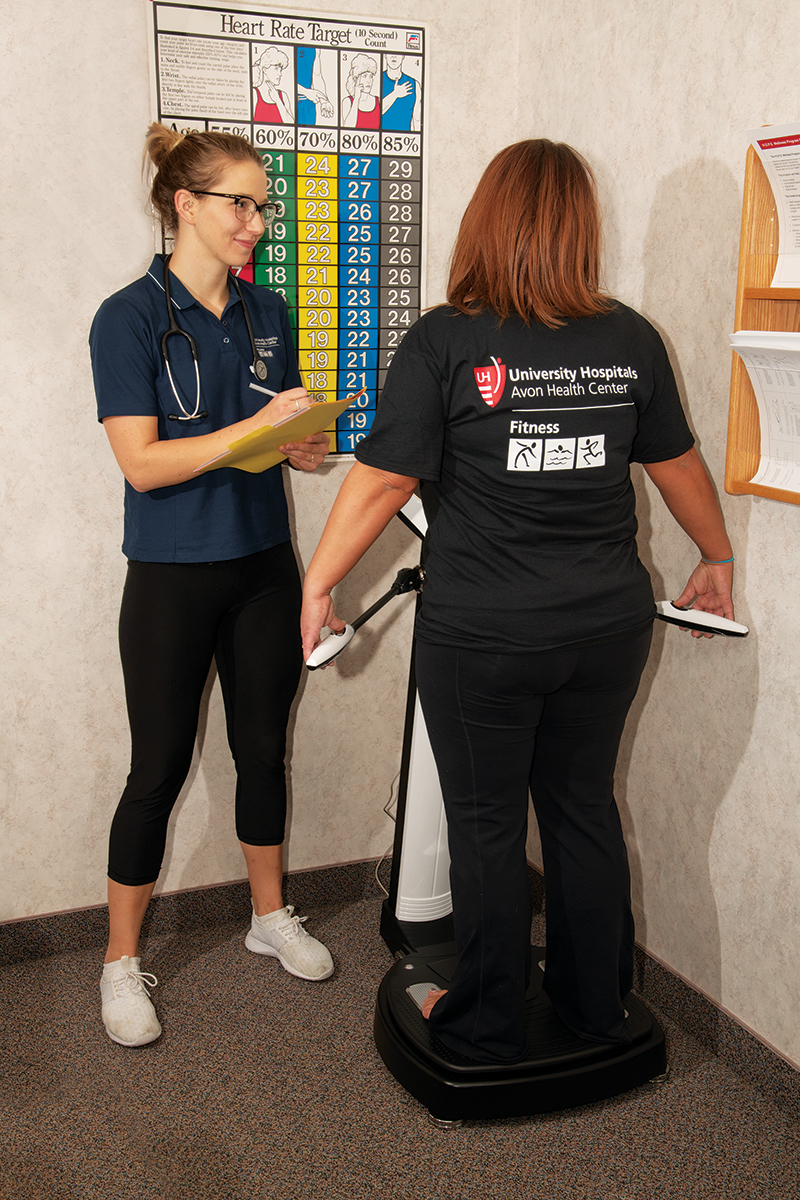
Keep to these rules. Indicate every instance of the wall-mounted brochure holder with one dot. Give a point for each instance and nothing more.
(769, 309)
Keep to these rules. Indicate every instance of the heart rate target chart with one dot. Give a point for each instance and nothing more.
(335, 108)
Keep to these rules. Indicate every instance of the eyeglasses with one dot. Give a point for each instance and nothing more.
(246, 208)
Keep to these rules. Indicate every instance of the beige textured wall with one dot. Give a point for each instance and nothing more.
(659, 99)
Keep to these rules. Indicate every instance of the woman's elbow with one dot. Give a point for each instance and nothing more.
(403, 485)
(139, 478)
(378, 482)
(674, 468)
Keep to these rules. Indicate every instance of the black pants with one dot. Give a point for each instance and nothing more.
(551, 722)
(175, 618)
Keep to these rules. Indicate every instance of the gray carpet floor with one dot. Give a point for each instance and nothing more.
(264, 1086)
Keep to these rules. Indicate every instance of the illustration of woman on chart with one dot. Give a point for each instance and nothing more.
(271, 105)
(361, 108)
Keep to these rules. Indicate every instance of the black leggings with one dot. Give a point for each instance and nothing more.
(175, 618)
(551, 722)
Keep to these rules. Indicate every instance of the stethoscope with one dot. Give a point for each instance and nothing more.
(259, 367)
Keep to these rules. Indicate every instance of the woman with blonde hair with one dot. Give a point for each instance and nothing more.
(360, 107)
(183, 361)
(271, 105)
(519, 406)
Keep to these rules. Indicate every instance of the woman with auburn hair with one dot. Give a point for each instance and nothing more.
(519, 406)
(184, 360)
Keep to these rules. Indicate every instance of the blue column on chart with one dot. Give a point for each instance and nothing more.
(359, 286)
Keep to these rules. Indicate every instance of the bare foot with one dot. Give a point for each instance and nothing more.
(429, 1001)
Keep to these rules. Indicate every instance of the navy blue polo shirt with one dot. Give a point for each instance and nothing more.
(227, 513)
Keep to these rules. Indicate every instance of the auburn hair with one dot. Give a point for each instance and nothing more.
(193, 161)
(530, 240)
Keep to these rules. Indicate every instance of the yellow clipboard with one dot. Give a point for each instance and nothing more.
(258, 451)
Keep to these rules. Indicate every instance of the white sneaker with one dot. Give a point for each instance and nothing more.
(128, 1015)
(281, 935)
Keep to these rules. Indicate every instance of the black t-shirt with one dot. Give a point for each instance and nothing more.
(523, 436)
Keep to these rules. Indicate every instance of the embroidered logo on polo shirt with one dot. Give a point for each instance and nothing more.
(491, 381)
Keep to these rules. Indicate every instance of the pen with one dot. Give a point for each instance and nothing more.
(258, 388)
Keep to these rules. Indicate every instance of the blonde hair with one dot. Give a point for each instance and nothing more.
(358, 65)
(193, 161)
(269, 57)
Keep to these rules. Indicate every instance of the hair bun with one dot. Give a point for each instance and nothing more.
(159, 142)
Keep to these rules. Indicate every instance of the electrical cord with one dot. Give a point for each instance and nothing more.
(391, 802)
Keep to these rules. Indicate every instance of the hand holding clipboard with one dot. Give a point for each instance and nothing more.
(258, 451)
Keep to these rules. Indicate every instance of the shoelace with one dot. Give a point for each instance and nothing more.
(293, 927)
(133, 982)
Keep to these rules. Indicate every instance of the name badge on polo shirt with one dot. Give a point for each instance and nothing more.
(265, 351)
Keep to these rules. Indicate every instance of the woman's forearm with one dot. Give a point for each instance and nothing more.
(367, 501)
(148, 462)
(689, 495)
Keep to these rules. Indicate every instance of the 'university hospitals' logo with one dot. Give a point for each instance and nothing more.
(491, 381)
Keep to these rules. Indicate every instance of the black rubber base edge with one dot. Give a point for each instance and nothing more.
(560, 1069)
